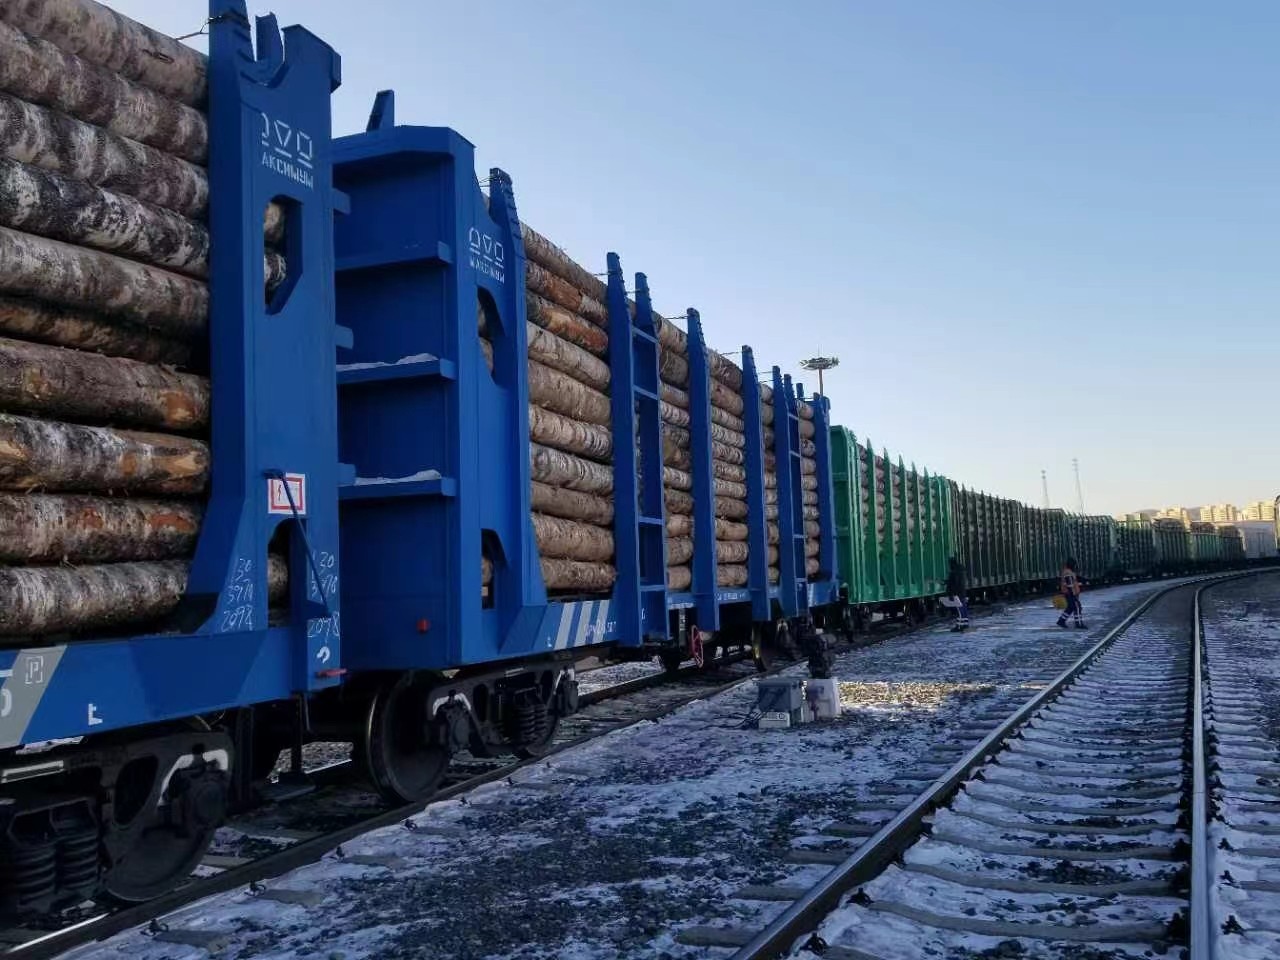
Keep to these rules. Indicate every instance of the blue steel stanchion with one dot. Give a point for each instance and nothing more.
(826, 489)
(639, 516)
(792, 596)
(704, 485)
(757, 525)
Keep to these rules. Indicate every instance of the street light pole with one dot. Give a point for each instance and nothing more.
(820, 364)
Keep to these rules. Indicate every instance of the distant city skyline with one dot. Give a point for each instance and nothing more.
(1223, 512)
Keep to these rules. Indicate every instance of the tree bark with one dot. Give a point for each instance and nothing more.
(673, 368)
(679, 578)
(64, 327)
(41, 600)
(673, 395)
(566, 325)
(729, 471)
(679, 550)
(678, 501)
(726, 399)
(550, 257)
(673, 414)
(808, 466)
(811, 568)
(731, 551)
(812, 529)
(57, 382)
(811, 548)
(731, 575)
(561, 292)
(562, 394)
(729, 530)
(559, 354)
(51, 205)
(576, 576)
(573, 436)
(83, 279)
(679, 525)
(57, 142)
(47, 528)
(558, 469)
(571, 539)
(731, 508)
(36, 70)
(807, 429)
(64, 456)
(116, 43)
(809, 482)
(571, 504)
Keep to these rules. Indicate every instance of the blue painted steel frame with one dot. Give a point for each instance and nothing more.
(640, 541)
(825, 589)
(440, 445)
(273, 412)
(757, 524)
(793, 594)
(705, 587)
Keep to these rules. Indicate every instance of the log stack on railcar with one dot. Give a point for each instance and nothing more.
(104, 306)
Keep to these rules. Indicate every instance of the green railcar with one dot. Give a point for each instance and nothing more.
(1173, 546)
(1092, 541)
(891, 524)
(988, 533)
(1135, 548)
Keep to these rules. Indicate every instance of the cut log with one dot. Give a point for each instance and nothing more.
(729, 471)
(727, 488)
(809, 482)
(808, 448)
(571, 539)
(560, 469)
(40, 600)
(38, 71)
(48, 528)
(809, 498)
(64, 456)
(575, 576)
(728, 530)
(676, 479)
(679, 550)
(812, 529)
(673, 395)
(559, 354)
(771, 533)
(57, 382)
(808, 466)
(550, 257)
(114, 42)
(679, 502)
(563, 293)
(811, 568)
(61, 326)
(726, 399)
(679, 525)
(573, 436)
(571, 504)
(84, 279)
(731, 508)
(562, 394)
(811, 548)
(810, 513)
(673, 368)
(807, 429)
(805, 410)
(566, 325)
(679, 578)
(47, 203)
(673, 414)
(731, 575)
(731, 551)
(52, 140)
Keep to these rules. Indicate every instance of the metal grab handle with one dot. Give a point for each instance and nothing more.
(306, 542)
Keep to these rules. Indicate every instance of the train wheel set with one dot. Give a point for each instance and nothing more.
(368, 459)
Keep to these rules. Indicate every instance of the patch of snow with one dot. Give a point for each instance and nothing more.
(412, 478)
(376, 364)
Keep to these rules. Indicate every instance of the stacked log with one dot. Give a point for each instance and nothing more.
(104, 307)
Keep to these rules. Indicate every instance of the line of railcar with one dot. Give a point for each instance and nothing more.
(422, 461)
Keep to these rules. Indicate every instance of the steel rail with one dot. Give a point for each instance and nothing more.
(890, 841)
(1200, 934)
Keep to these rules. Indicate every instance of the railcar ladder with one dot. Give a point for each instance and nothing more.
(640, 542)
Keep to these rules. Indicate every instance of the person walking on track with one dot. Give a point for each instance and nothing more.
(1070, 585)
(958, 594)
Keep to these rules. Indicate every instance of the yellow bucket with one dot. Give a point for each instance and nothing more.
(1059, 601)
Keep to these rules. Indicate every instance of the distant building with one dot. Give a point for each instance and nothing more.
(1183, 515)
(1220, 513)
(1259, 510)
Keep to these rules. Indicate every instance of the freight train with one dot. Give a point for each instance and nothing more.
(305, 438)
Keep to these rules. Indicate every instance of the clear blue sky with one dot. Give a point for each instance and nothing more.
(1029, 231)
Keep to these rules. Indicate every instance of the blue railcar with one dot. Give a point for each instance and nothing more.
(132, 777)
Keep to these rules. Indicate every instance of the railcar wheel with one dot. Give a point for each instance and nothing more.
(171, 825)
(399, 757)
(539, 746)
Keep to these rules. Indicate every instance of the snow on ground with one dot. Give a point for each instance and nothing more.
(1242, 646)
(609, 849)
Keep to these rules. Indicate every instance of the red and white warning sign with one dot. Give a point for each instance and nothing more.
(279, 491)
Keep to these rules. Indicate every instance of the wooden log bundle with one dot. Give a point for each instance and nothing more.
(104, 310)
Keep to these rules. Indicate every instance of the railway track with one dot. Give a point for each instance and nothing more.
(309, 824)
(1077, 828)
